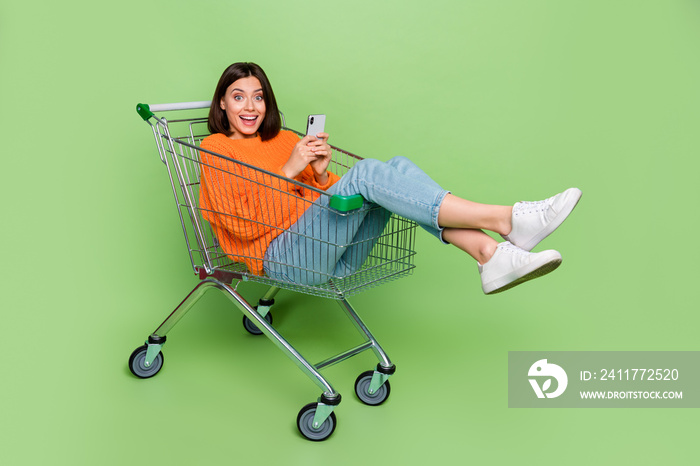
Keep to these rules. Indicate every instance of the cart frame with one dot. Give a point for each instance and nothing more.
(316, 421)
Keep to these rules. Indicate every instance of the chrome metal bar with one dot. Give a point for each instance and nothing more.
(162, 149)
(257, 320)
(188, 199)
(185, 306)
(362, 328)
(278, 340)
(343, 356)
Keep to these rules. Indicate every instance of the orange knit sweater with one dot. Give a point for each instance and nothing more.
(246, 208)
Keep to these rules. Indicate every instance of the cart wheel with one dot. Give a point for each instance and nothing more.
(362, 390)
(137, 366)
(305, 423)
(251, 327)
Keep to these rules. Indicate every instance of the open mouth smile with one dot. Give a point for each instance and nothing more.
(248, 120)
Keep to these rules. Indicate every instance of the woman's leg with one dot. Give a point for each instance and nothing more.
(376, 219)
(324, 243)
(461, 213)
(463, 218)
(309, 251)
(459, 221)
(525, 224)
(401, 187)
(364, 240)
(322, 240)
(398, 186)
(476, 243)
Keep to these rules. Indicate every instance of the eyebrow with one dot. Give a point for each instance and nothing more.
(241, 90)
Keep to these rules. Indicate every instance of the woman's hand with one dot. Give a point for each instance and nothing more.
(323, 153)
(309, 151)
(300, 157)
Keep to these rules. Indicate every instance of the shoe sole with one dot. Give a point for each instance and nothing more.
(553, 225)
(505, 283)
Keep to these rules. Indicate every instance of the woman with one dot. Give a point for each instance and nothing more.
(259, 223)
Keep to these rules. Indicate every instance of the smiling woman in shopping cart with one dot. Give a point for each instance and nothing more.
(286, 230)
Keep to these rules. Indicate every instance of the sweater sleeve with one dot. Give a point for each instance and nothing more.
(332, 179)
(291, 187)
(307, 177)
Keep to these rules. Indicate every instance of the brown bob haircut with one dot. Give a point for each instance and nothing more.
(218, 122)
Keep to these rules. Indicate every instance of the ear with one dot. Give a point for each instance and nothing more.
(221, 104)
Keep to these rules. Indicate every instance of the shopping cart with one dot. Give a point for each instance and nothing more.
(387, 254)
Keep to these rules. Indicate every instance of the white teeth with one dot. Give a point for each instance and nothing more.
(249, 118)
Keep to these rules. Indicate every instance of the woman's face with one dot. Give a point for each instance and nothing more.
(244, 106)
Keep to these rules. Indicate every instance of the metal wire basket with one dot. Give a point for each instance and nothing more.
(391, 248)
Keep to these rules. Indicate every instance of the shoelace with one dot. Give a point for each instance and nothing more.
(533, 206)
(510, 247)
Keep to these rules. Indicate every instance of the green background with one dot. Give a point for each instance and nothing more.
(500, 100)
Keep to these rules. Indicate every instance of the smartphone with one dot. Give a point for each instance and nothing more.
(315, 124)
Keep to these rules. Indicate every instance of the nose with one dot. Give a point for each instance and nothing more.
(249, 104)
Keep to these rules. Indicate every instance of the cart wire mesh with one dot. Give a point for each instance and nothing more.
(384, 251)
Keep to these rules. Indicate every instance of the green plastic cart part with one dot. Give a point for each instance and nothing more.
(346, 203)
(144, 110)
(152, 352)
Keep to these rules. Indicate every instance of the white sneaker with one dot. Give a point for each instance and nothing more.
(534, 221)
(511, 266)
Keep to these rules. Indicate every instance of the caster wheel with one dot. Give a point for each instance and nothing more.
(362, 390)
(137, 366)
(251, 327)
(305, 423)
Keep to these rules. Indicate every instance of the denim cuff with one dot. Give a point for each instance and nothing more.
(438, 202)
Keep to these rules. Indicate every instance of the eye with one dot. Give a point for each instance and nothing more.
(237, 97)
(258, 98)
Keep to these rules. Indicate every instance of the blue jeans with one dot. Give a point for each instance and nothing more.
(323, 243)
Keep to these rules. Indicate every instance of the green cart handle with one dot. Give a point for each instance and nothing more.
(346, 203)
(144, 110)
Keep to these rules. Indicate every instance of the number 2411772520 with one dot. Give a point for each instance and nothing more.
(639, 374)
